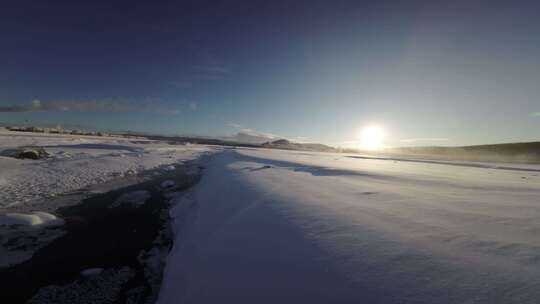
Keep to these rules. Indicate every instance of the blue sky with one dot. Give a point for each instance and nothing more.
(428, 72)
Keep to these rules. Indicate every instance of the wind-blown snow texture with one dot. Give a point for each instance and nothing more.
(267, 226)
(77, 162)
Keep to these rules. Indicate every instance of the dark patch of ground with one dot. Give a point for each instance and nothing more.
(100, 236)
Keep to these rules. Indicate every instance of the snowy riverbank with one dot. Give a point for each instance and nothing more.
(77, 162)
(31, 191)
(106, 243)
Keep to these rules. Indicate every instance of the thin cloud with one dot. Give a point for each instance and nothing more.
(98, 105)
(180, 84)
(345, 144)
(535, 114)
(165, 111)
(211, 72)
(214, 69)
(412, 140)
(301, 139)
(349, 142)
(34, 106)
(257, 133)
(209, 76)
(252, 132)
(15, 109)
(112, 105)
(193, 106)
(233, 125)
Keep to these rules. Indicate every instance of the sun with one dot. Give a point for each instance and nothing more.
(372, 138)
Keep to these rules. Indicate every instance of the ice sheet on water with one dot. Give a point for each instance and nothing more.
(22, 234)
(33, 219)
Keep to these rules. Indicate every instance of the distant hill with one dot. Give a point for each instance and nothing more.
(525, 152)
(242, 137)
(288, 145)
(276, 144)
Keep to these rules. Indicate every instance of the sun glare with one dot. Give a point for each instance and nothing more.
(372, 138)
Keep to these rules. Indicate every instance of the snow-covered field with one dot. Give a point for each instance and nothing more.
(76, 162)
(269, 226)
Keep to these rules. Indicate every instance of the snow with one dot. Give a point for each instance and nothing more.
(287, 226)
(77, 162)
(22, 234)
(33, 219)
(271, 226)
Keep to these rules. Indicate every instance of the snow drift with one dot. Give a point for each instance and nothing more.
(271, 226)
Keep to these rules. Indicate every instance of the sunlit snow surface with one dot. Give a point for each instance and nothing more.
(76, 162)
(269, 226)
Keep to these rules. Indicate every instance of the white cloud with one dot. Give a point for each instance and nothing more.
(260, 134)
(252, 132)
(535, 114)
(233, 125)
